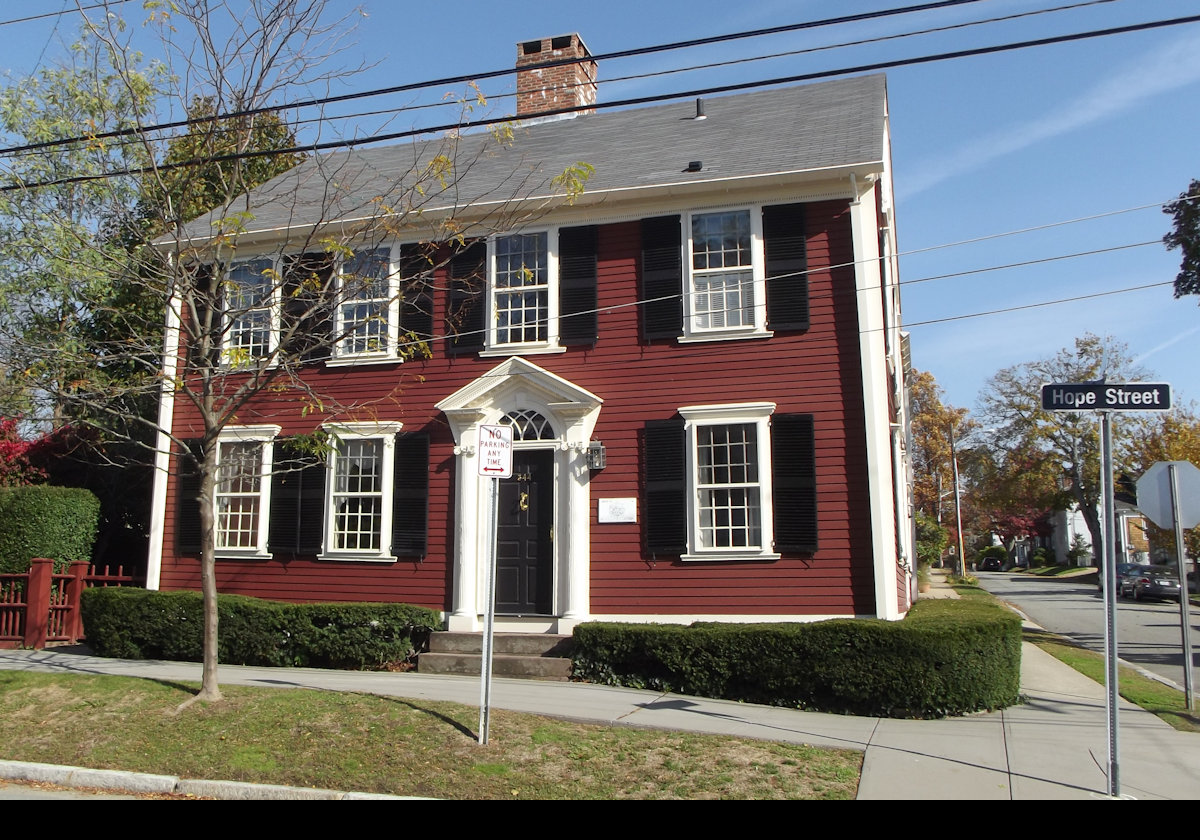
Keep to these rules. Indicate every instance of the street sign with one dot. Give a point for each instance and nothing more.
(1154, 494)
(1106, 396)
(495, 451)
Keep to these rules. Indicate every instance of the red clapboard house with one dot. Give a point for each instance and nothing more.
(700, 357)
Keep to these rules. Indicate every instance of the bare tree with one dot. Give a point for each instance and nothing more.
(270, 279)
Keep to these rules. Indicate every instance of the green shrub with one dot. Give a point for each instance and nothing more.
(130, 623)
(44, 521)
(946, 658)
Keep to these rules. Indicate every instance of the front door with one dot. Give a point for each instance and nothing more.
(525, 535)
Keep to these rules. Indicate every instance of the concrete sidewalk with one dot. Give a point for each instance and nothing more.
(1054, 746)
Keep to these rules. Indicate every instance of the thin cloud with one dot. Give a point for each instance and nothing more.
(1161, 70)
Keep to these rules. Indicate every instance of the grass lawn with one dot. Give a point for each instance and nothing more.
(391, 745)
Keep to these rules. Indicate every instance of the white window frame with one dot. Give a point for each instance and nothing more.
(342, 433)
(757, 415)
(495, 347)
(391, 309)
(757, 328)
(231, 353)
(263, 436)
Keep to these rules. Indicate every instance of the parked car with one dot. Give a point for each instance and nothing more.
(1122, 570)
(1149, 582)
(991, 563)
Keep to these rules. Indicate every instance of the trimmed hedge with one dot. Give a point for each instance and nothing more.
(945, 658)
(44, 521)
(130, 623)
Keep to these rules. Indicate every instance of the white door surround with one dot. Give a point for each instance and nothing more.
(519, 390)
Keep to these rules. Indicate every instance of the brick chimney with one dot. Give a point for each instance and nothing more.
(541, 89)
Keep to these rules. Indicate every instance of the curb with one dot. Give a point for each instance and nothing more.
(150, 783)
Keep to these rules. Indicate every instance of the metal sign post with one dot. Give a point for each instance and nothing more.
(495, 462)
(1107, 397)
(1169, 496)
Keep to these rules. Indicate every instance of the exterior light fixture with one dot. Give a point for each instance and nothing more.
(597, 458)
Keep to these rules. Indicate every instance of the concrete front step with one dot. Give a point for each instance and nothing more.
(539, 656)
(525, 644)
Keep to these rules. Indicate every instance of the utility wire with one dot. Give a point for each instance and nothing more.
(450, 80)
(63, 12)
(492, 97)
(644, 100)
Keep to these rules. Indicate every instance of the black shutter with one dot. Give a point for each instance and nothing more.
(665, 470)
(416, 298)
(577, 319)
(187, 501)
(785, 244)
(662, 278)
(410, 501)
(297, 523)
(202, 292)
(467, 306)
(307, 314)
(794, 473)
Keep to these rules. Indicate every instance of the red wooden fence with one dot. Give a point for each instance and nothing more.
(42, 606)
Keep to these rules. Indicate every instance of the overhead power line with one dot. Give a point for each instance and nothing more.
(492, 97)
(75, 10)
(490, 74)
(643, 100)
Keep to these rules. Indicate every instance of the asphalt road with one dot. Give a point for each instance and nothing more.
(1148, 632)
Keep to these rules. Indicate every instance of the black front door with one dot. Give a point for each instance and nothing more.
(524, 535)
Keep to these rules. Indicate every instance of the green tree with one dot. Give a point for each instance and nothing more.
(1057, 448)
(244, 57)
(1185, 213)
(933, 424)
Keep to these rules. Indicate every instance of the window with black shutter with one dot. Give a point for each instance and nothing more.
(416, 300)
(661, 278)
(785, 246)
(410, 502)
(664, 466)
(794, 473)
(187, 499)
(578, 322)
(306, 320)
(466, 309)
(297, 501)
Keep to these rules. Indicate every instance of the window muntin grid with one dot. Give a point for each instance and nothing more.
(239, 494)
(728, 487)
(521, 296)
(249, 293)
(528, 425)
(357, 495)
(364, 315)
(722, 271)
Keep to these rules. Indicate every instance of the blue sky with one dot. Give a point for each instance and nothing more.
(981, 146)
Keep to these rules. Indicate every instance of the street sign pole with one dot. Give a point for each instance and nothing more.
(1110, 602)
(489, 620)
(1184, 606)
(1168, 494)
(495, 463)
(1106, 397)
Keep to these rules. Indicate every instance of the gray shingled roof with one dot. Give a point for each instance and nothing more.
(783, 130)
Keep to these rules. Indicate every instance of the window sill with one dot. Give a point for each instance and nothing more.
(351, 361)
(232, 554)
(504, 351)
(356, 558)
(719, 557)
(733, 335)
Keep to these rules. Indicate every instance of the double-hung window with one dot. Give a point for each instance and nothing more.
(725, 295)
(366, 312)
(241, 499)
(523, 298)
(359, 502)
(249, 302)
(728, 454)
